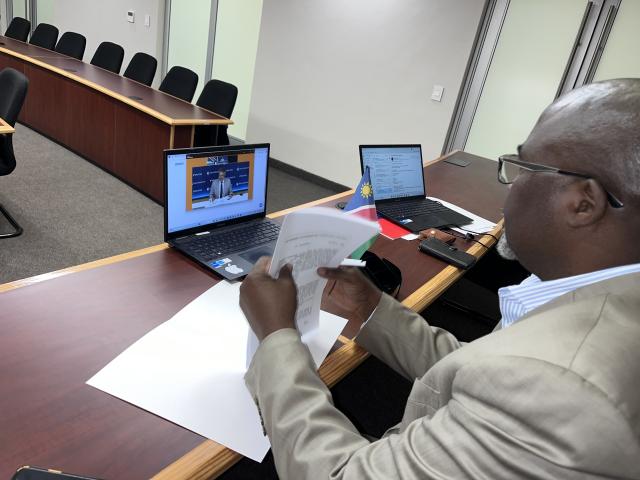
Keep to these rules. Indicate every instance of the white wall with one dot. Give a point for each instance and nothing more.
(3, 16)
(189, 37)
(237, 35)
(620, 58)
(332, 74)
(100, 20)
(527, 66)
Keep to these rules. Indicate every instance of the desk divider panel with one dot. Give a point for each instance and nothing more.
(139, 142)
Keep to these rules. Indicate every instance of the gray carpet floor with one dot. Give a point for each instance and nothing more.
(73, 212)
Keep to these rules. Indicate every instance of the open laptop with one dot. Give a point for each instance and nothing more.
(397, 178)
(215, 202)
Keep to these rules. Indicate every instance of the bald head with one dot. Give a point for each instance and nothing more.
(595, 130)
(562, 225)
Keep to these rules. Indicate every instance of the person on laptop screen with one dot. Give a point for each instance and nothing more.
(221, 186)
(216, 180)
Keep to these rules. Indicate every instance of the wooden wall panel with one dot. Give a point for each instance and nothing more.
(92, 129)
(182, 136)
(46, 107)
(139, 143)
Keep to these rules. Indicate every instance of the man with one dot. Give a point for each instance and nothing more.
(221, 186)
(555, 392)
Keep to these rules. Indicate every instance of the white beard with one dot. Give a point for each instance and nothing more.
(504, 249)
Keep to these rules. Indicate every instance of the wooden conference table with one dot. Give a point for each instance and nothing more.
(116, 123)
(58, 329)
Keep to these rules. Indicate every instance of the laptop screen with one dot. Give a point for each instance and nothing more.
(396, 170)
(213, 185)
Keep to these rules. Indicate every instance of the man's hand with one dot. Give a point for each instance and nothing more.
(353, 291)
(268, 304)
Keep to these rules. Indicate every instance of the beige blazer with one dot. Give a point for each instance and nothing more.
(557, 395)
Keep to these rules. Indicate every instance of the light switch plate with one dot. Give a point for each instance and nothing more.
(436, 93)
(147, 20)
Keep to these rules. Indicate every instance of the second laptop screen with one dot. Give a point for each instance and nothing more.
(396, 172)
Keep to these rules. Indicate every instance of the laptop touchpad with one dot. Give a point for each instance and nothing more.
(254, 255)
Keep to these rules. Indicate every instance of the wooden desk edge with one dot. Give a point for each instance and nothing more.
(5, 128)
(79, 268)
(126, 100)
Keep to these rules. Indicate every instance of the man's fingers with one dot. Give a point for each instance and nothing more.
(262, 265)
(340, 273)
(286, 272)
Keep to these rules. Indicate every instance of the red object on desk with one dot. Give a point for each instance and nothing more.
(391, 230)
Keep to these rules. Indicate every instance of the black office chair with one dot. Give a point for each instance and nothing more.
(141, 68)
(180, 82)
(218, 97)
(72, 44)
(13, 90)
(44, 36)
(108, 56)
(18, 29)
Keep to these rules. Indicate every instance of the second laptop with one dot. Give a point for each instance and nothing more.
(397, 178)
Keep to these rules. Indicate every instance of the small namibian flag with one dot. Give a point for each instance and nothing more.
(363, 205)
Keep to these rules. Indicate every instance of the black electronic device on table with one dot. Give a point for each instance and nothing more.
(448, 253)
(397, 178)
(37, 473)
(215, 206)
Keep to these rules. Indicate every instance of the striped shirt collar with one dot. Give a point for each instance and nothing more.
(518, 300)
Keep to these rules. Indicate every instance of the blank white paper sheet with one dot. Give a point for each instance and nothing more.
(190, 370)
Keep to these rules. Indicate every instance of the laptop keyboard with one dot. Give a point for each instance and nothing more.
(409, 209)
(216, 244)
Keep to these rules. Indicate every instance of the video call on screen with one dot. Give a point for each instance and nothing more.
(210, 187)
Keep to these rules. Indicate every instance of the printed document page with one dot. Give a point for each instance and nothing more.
(312, 238)
(190, 370)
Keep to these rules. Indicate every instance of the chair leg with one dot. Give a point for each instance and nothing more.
(17, 228)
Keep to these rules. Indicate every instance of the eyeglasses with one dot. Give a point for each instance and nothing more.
(510, 166)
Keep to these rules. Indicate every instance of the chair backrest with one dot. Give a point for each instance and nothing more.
(18, 29)
(108, 56)
(44, 36)
(72, 44)
(218, 97)
(141, 68)
(13, 90)
(180, 82)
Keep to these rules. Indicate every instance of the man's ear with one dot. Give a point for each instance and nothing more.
(586, 203)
